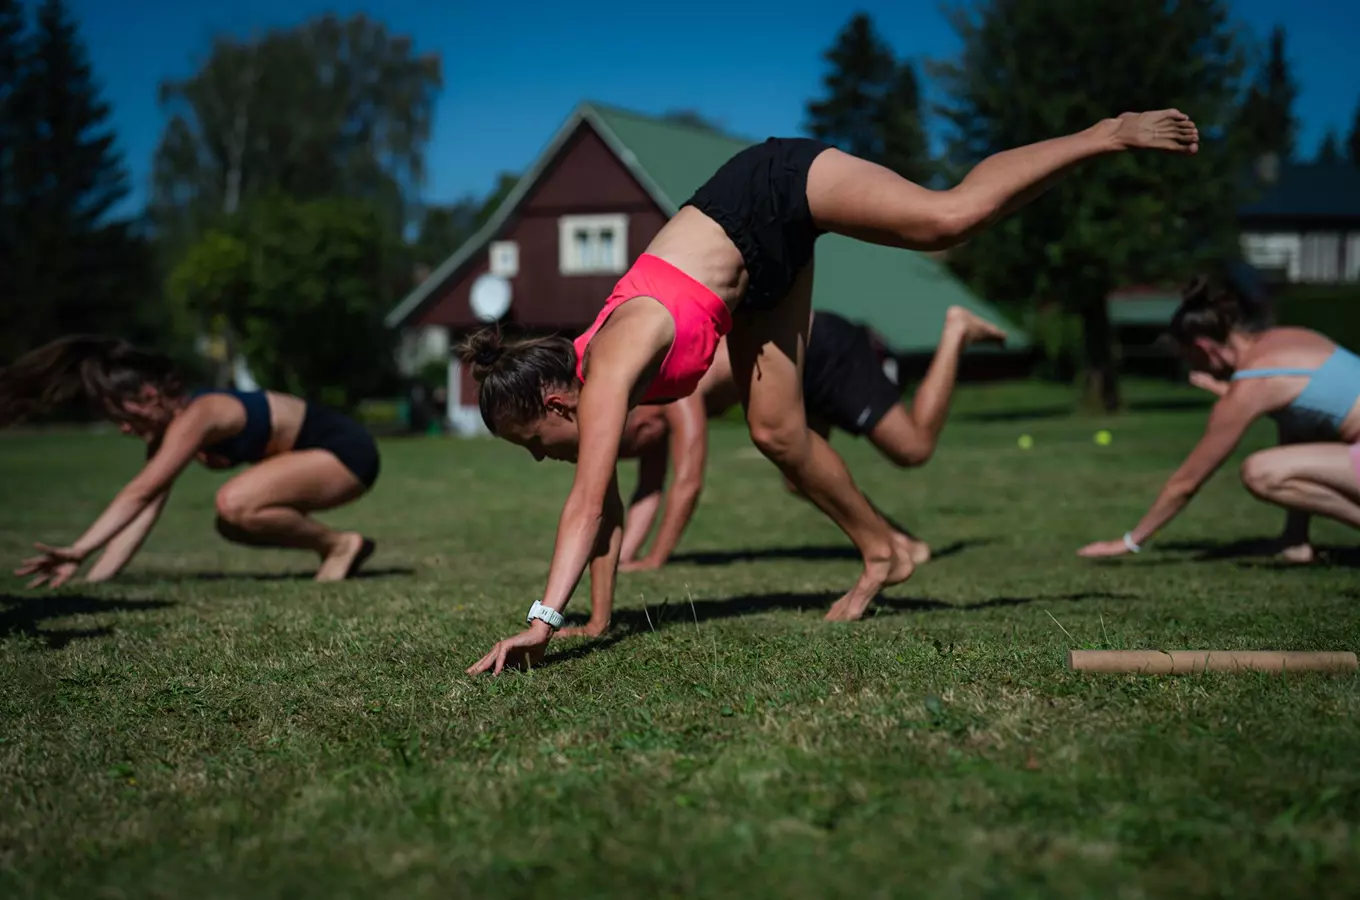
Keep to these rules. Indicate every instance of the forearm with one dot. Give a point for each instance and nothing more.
(577, 532)
(603, 575)
(637, 524)
(125, 508)
(1173, 498)
(120, 550)
(680, 505)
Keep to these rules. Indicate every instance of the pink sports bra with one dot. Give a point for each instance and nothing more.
(701, 320)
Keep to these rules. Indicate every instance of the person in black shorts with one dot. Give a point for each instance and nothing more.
(844, 386)
(736, 260)
(303, 458)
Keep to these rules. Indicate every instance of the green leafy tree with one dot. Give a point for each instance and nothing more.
(69, 263)
(303, 287)
(329, 108)
(1126, 219)
(871, 106)
(1267, 122)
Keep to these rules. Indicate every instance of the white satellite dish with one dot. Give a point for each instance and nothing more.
(490, 298)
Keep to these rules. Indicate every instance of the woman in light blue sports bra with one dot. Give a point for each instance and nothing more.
(1293, 372)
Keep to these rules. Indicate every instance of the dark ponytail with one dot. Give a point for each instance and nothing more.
(514, 375)
(103, 371)
(1214, 308)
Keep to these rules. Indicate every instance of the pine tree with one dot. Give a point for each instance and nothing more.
(906, 150)
(872, 105)
(1329, 151)
(1353, 141)
(1267, 120)
(862, 69)
(76, 269)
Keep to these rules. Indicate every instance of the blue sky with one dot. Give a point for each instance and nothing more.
(513, 70)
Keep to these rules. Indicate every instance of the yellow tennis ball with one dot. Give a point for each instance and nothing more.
(1103, 437)
(1025, 442)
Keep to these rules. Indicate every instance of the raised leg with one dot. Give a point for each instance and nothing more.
(871, 203)
(767, 350)
(267, 506)
(910, 438)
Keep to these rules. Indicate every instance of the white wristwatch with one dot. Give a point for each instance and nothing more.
(546, 614)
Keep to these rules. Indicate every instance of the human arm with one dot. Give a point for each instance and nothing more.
(1228, 422)
(622, 359)
(203, 422)
(603, 568)
(120, 550)
(646, 500)
(688, 421)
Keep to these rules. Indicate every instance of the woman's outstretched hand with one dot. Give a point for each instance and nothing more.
(525, 647)
(54, 566)
(1104, 548)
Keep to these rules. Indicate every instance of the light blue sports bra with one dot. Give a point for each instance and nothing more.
(1332, 388)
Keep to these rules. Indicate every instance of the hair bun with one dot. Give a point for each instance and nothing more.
(487, 356)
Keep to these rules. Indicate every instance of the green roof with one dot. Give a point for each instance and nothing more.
(1144, 309)
(900, 294)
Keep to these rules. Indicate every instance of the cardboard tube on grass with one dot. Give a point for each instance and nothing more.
(1187, 662)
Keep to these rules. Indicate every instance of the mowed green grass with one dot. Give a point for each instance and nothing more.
(215, 725)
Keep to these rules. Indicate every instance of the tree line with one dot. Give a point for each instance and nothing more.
(285, 218)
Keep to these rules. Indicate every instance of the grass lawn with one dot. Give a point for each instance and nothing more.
(215, 725)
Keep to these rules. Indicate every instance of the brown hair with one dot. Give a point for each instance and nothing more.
(1213, 308)
(103, 371)
(514, 375)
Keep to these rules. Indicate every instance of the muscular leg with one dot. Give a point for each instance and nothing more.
(1310, 478)
(267, 506)
(767, 360)
(909, 438)
(871, 203)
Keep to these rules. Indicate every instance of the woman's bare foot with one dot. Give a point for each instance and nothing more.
(919, 550)
(1299, 554)
(349, 553)
(971, 328)
(878, 574)
(1163, 129)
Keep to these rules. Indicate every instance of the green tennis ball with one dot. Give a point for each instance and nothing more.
(1103, 437)
(1025, 442)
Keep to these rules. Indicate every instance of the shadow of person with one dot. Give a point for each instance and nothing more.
(22, 615)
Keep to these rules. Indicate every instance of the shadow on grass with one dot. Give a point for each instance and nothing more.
(22, 614)
(1169, 404)
(148, 577)
(838, 551)
(678, 614)
(1262, 552)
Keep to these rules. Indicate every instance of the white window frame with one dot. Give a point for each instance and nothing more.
(567, 229)
(504, 258)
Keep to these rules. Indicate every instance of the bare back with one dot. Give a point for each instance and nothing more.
(1290, 349)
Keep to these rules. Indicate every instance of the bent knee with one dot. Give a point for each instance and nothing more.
(234, 506)
(1259, 476)
(910, 456)
(781, 443)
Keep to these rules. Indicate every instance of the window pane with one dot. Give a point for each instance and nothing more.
(606, 245)
(581, 241)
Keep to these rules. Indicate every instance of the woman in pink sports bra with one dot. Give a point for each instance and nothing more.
(737, 259)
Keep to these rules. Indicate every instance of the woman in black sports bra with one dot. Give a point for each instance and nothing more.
(304, 458)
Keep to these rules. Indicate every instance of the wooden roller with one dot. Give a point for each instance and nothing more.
(1187, 662)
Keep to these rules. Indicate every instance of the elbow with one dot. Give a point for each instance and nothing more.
(1181, 490)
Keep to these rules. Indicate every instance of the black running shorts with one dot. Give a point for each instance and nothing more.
(759, 197)
(843, 378)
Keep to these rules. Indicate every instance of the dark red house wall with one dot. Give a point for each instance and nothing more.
(585, 178)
